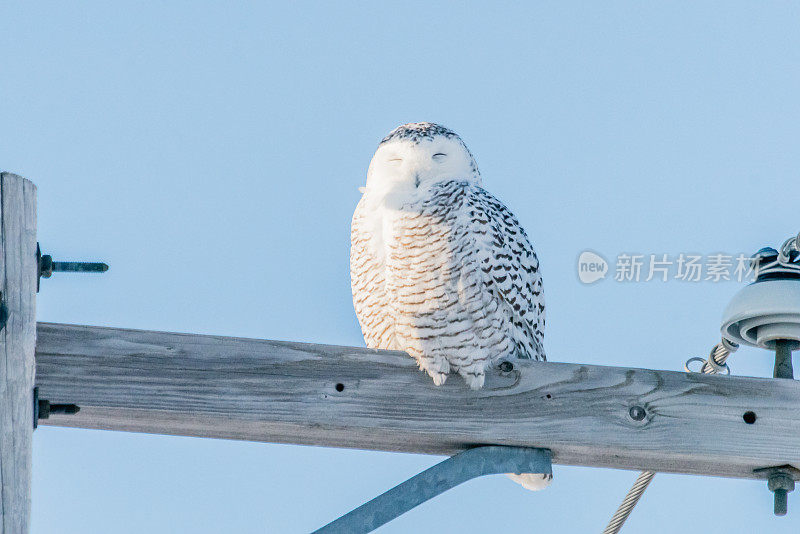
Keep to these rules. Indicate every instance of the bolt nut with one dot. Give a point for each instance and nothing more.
(506, 367)
(637, 413)
(780, 481)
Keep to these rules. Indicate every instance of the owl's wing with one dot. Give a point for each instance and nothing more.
(509, 269)
(368, 284)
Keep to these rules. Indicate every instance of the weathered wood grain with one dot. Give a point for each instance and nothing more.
(285, 392)
(17, 344)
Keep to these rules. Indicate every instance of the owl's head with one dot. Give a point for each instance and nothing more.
(417, 155)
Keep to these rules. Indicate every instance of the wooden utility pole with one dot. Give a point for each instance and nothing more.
(18, 275)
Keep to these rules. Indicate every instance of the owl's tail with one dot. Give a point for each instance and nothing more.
(532, 481)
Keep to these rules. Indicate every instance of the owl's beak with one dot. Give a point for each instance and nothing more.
(416, 179)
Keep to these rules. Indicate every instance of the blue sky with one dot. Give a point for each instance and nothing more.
(211, 154)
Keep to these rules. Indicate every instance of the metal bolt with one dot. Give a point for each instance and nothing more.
(780, 483)
(637, 413)
(783, 359)
(46, 266)
(506, 367)
(42, 409)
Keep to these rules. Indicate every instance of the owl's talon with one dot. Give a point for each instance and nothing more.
(439, 378)
(475, 381)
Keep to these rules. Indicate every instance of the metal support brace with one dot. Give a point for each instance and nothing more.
(472, 463)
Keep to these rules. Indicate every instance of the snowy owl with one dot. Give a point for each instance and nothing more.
(439, 267)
